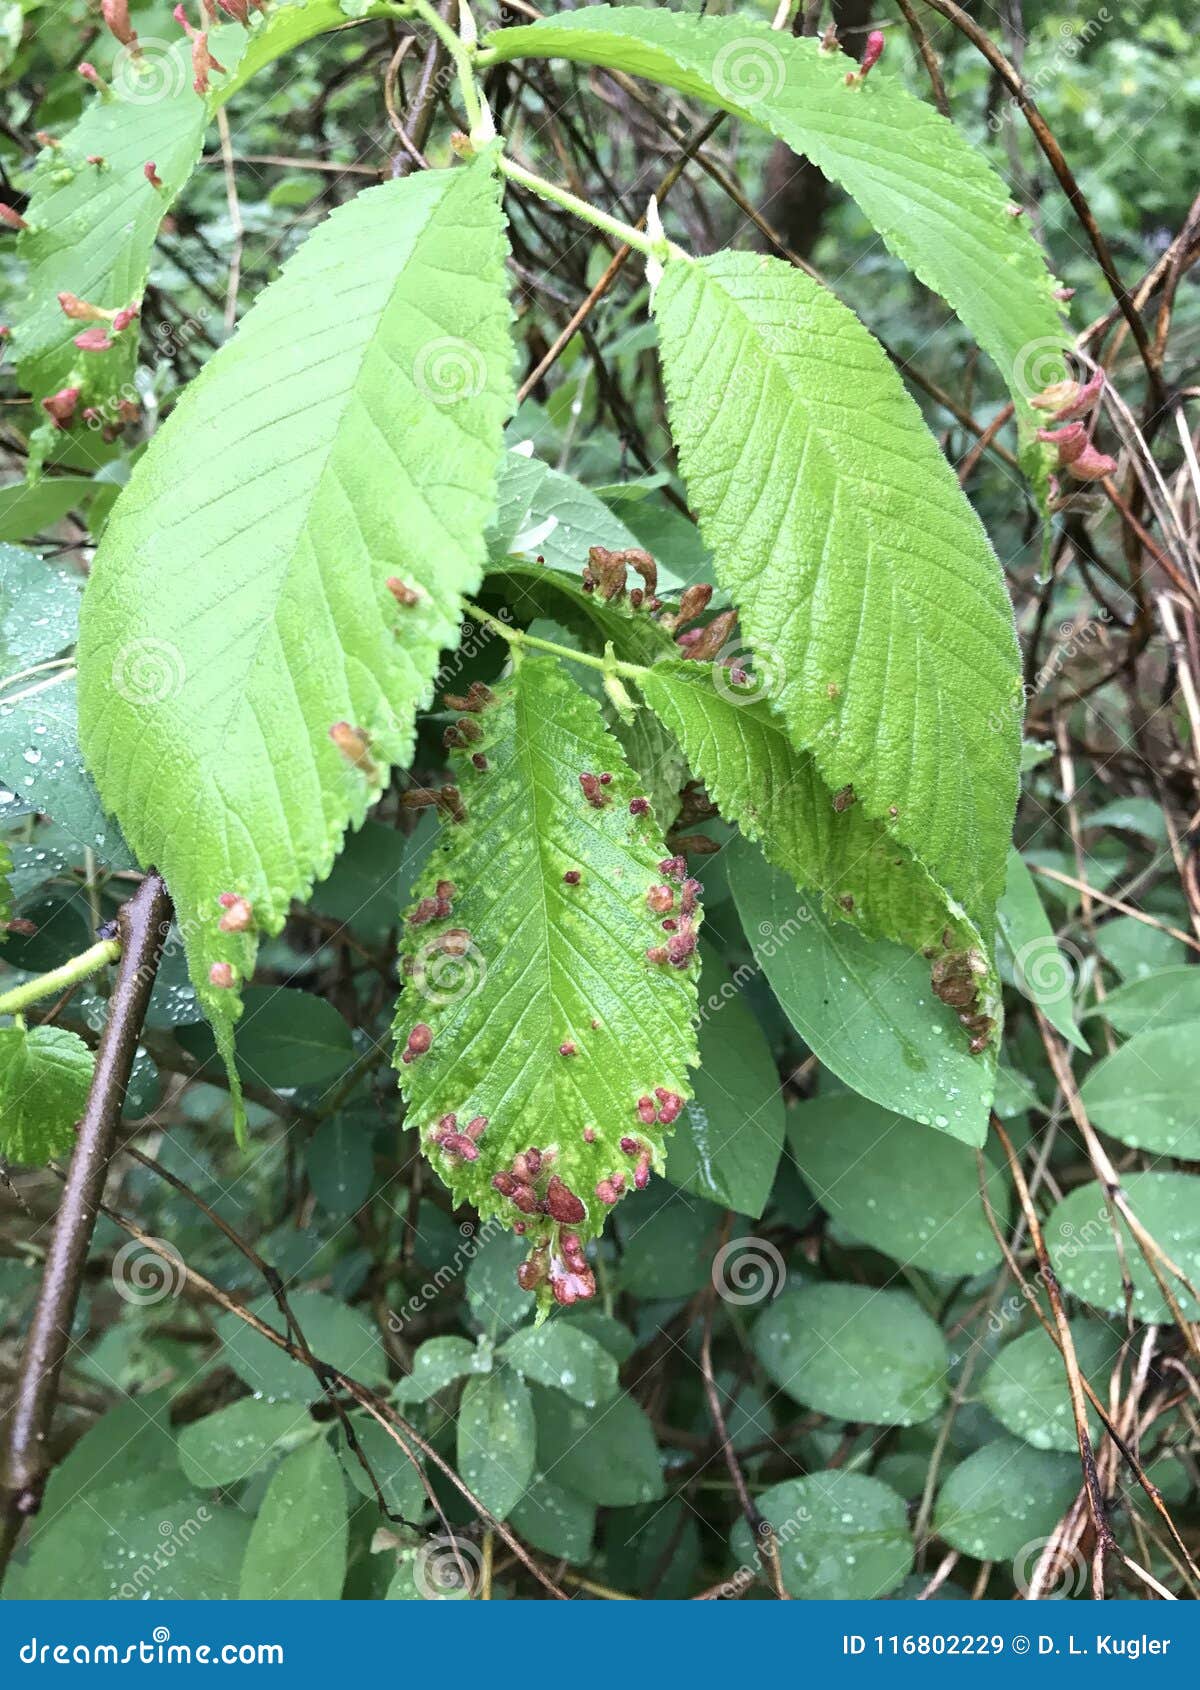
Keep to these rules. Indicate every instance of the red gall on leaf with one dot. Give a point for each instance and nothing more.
(221, 974)
(568, 1048)
(562, 1203)
(589, 1135)
(673, 868)
(126, 315)
(116, 16)
(93, 340)
(239, 913)
(633, 1146)
(238, 10)
(639, 806)
(571, 877)
(402, 593)
(80, 310)
(1091, 465)
(593, 791)
(150, 172)
(352, 743)
(873, 51)
(606, 1191)
(458, 1145)
(419, 1041)
(680, 949)
(671, 1103)
(660, 899)
(1069, 442)
(641, 1174)
(60, 406)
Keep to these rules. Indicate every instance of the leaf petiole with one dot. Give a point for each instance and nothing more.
(61, 979)
(609, 664)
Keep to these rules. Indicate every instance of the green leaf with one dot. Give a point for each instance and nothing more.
(1170, 998)
(238, 607)
(1144, 1093)
(727, 1145)
(668, 1242)
(496, 1300)
(608, 1455)
(560, 1356)
(398, 1478)
(45, 1074)
(226, 1447)
(28, 510)
(524, 963)
(39, 608)
(341, 1164)
(41, 764)
(739, 747)
(855, 1353)
(997, 1501)
(898, 1187)
(1026, 1385)
(864, 1006)
(288, 1038)
(841, 1536)
(92, 227)
(297, 1547)
(867, 588)
(555, 1520)
(938, 204)
(440, 1363)
(337, 1335)
(497, 1439)
(1081, 1241)
(1041, 971)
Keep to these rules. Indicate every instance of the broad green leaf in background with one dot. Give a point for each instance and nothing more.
(864, 1006)
(224, 1448)
(561, 1356)
(739, 747)
(340, 1336)
(45, 1074)
(440, 1363)
(1025, 1386)
(842, 1536)
(340, 1164)
(1170, 998)
(1041, 971)
(1080, 1239)
(41, 768)
(547, 1018)
(238, 608)
(1147, 1092)
(555, 1520)
(398, 1478)
(92, 227)
(288, 1038)
(934, 198)
(39, 608)
(866, 585)
(912, 1193)
(996, 1502)
(607, 1455)
(26, 510)
(497, 1439)
(855, 1353)
(729, 1138)
(297, 1546)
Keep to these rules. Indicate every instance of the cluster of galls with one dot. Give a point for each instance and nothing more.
(1069, 403)
(459, 1146)
(955, 978)
(566, 1271)
(605, 575)
(532, 1188)
(681, 921)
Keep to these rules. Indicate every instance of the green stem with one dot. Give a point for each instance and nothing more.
(607, 665)
(63, 978)
(463, 61)
(635, 238)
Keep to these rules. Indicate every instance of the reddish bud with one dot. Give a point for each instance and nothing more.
(239, 913)
(150, 172)
(632, 1146)
(641, 1174)
(562, 1203)
(90, 74)
(873, 51)
(60, 406)
(11, 219)
(93, 340)
(116, 16)
(220, 974)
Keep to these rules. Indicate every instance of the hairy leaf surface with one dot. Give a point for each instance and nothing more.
(44, 1078)
(866, 584)
(933, 197)
(524, 963)
(239, 608)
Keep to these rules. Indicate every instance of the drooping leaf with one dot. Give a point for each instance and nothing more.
(297, 1546)
(542, 1014)
(497, 1439)
(933, 197)
(867, 589)
(740, 748)
(912, 1193)
(1025, 1386)
(1145, 1092)
(855, 1353)
(1082, 1244)
(238, 608)
(841, 1536)
(39, 608)
(727, 1145)
(92, 227)
(864, 1006)
(997, 1501)
(1041, 971)
(45, 1074)
(1169, 998)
